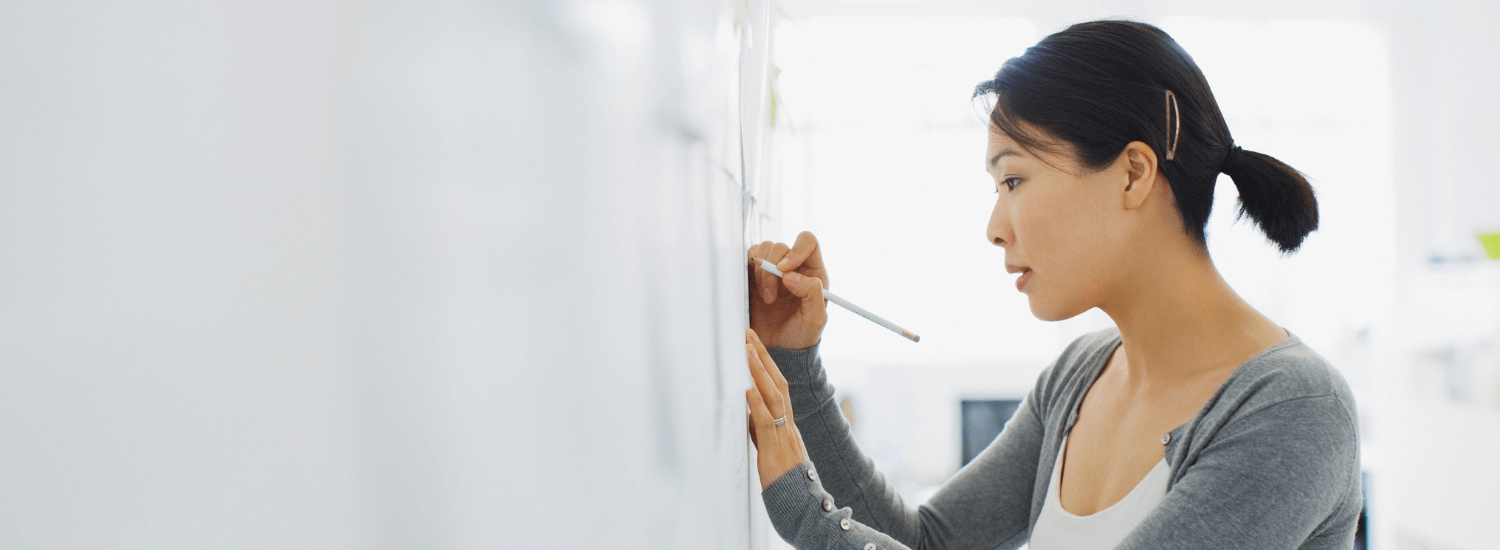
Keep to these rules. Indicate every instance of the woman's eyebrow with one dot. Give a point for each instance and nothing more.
(1003, 152)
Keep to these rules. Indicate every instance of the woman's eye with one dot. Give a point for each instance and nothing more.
(1010, 184)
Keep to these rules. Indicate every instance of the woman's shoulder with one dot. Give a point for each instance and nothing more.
(1286, 372)
(1285, 401)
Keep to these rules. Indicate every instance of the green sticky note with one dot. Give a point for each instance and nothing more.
(1491, 242)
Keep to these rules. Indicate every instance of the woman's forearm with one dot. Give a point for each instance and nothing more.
(846, 473)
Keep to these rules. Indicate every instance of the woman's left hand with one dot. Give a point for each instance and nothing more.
(778, 448)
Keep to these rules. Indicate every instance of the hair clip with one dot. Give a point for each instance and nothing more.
(1174, 124)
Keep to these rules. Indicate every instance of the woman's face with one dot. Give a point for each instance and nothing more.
(1061, 224)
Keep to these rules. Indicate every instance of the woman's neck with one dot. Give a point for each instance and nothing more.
(1179, 319)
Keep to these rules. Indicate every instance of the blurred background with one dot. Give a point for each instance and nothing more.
(463, 274)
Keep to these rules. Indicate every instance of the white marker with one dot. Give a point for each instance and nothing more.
(768, 266)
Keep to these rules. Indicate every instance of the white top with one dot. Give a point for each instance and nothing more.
(1057, 529)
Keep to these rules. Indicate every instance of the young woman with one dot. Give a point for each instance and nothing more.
(1197, 423)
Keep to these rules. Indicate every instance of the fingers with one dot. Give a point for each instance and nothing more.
(810, 291)
(771, 396)
(772, 369)
(778, 251)
(804, 253)
(766, 282)
(750, 423)
(760, 418)
(760, 276)
(770, 285)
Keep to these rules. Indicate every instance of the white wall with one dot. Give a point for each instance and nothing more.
(332, 274)
(1440, 425)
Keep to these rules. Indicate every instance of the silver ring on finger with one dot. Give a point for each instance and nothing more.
(780, 421)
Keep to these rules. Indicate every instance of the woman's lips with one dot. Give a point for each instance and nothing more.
(1021, 281)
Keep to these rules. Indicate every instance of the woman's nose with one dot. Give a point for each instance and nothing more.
(998, 232)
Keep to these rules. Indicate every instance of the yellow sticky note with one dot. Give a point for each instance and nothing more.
(1491, 242)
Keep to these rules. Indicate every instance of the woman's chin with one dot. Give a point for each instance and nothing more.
(1052, 311)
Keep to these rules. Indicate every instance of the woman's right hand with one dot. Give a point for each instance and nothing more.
(788, 312)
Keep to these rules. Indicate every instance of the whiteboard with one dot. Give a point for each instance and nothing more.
(379, 275)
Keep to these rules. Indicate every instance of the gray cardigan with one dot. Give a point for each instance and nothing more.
(1270, 461)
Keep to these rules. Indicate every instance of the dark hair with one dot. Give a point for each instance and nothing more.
(1100, 85)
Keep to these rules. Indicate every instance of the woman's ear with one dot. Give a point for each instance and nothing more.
(1140, 173)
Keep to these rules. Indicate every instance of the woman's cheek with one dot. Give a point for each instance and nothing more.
(1035, 233)
(1049, 246)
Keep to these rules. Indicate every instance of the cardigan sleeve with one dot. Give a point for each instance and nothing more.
(986, 504)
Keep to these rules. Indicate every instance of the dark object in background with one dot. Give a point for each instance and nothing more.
(982, 421)
(1361, 531)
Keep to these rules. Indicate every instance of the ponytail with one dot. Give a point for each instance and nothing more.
(1275, 196)
(1100, 85)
